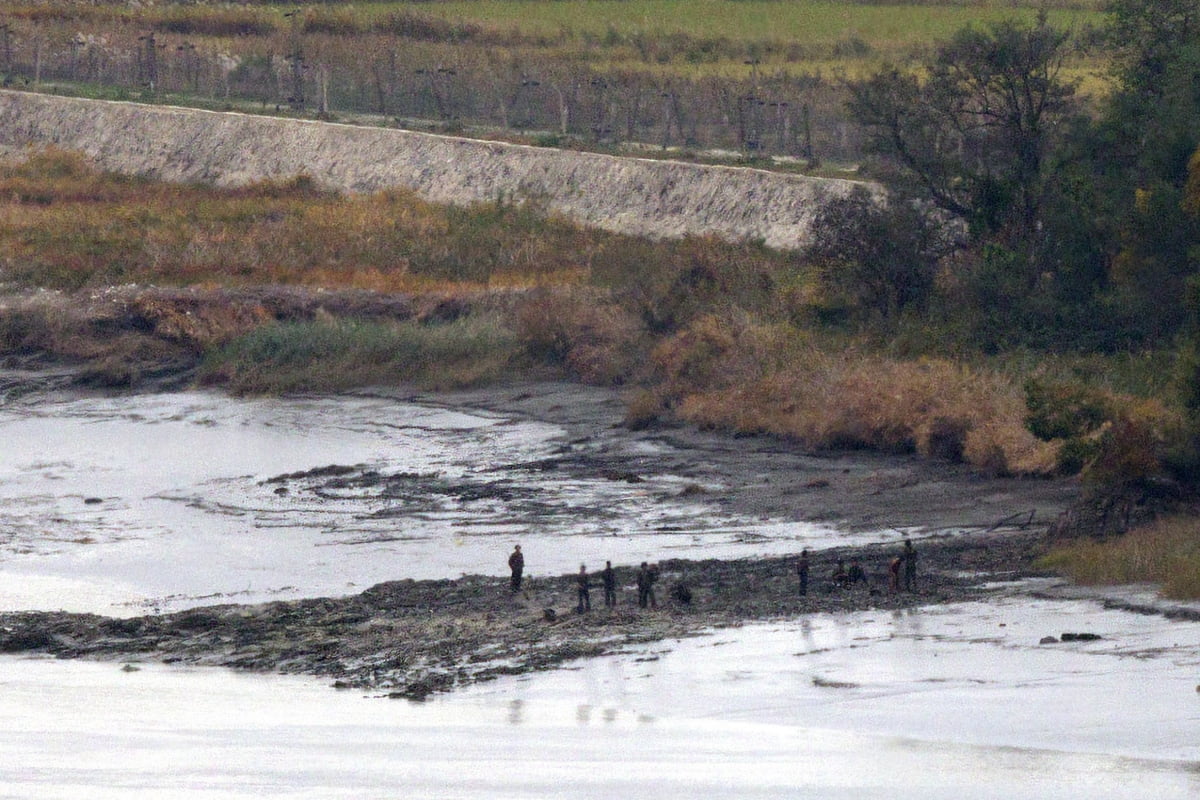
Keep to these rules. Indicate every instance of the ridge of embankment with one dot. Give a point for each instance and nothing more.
(655, 198)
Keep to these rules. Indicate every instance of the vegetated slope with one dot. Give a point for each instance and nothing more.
(636, 196)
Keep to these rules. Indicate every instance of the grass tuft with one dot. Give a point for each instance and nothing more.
(1165, 552)
(332, 355)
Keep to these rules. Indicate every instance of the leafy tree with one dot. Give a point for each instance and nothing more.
(878, 253)
(977, 135)
(1156, 45)
(1150, 129)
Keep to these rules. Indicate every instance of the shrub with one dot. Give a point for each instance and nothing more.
(204, 20)
(199, 323)
(585, 332)
(670, 283)
(334, 22)
(1129, 453)
(1062, 410)
(1115, 441)
(644, 408)
(853, 400)
(25, 330)
(880, 253)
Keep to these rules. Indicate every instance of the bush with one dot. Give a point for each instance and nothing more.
(204, 20)
(1165, 552)
(1129, 454)
(854, 400)
(585, 332)
(1063, 411)
(669, 284)
(25, 330)
(880, 253)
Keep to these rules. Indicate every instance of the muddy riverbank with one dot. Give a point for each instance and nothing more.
(412, 637)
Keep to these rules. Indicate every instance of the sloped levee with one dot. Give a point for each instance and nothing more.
(631, 195)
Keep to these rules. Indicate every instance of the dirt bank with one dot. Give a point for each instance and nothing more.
(770, 477)
(630, 195)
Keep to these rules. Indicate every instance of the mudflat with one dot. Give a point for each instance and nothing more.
(410, 638)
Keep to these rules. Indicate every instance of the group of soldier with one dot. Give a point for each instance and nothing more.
(902, 571)
(902, 574)
(647, 576)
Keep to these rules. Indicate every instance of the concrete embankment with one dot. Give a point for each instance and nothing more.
(631, 195)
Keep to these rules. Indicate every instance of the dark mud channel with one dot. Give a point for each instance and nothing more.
(411, 638)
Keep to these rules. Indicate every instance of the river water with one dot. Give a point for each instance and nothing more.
(159, 502)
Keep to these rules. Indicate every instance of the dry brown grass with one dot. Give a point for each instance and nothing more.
(752, 380)
(1165, 552)
(584, 330)
(63, 224)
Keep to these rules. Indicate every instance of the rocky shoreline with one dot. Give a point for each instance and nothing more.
(408, 639)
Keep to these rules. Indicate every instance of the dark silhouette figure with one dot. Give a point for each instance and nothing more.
(585, 594)
(645, 586)
(516, 563)
(802, 571)
(894, 573)
(610, 585)
(910, 566)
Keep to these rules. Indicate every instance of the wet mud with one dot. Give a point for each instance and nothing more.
(408, 639)
(412, 638)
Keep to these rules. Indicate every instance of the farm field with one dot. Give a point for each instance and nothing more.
(884, 28)
(747, 77)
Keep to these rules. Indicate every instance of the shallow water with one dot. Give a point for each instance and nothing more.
(945, 704)
(157, 502)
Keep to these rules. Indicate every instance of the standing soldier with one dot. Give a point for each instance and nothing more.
(516, 562)
(643, 585)
(910, 567)
(610, 585)
(802, 571)
(651, 579)
(585, 595)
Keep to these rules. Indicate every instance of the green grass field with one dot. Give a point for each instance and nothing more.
(885, 27)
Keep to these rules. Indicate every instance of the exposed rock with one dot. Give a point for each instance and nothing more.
(26, 639)
(1048, 640)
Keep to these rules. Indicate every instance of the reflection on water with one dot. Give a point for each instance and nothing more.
(202, 734)
(158, 501)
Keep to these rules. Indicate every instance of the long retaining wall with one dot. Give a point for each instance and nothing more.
(631, 195)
